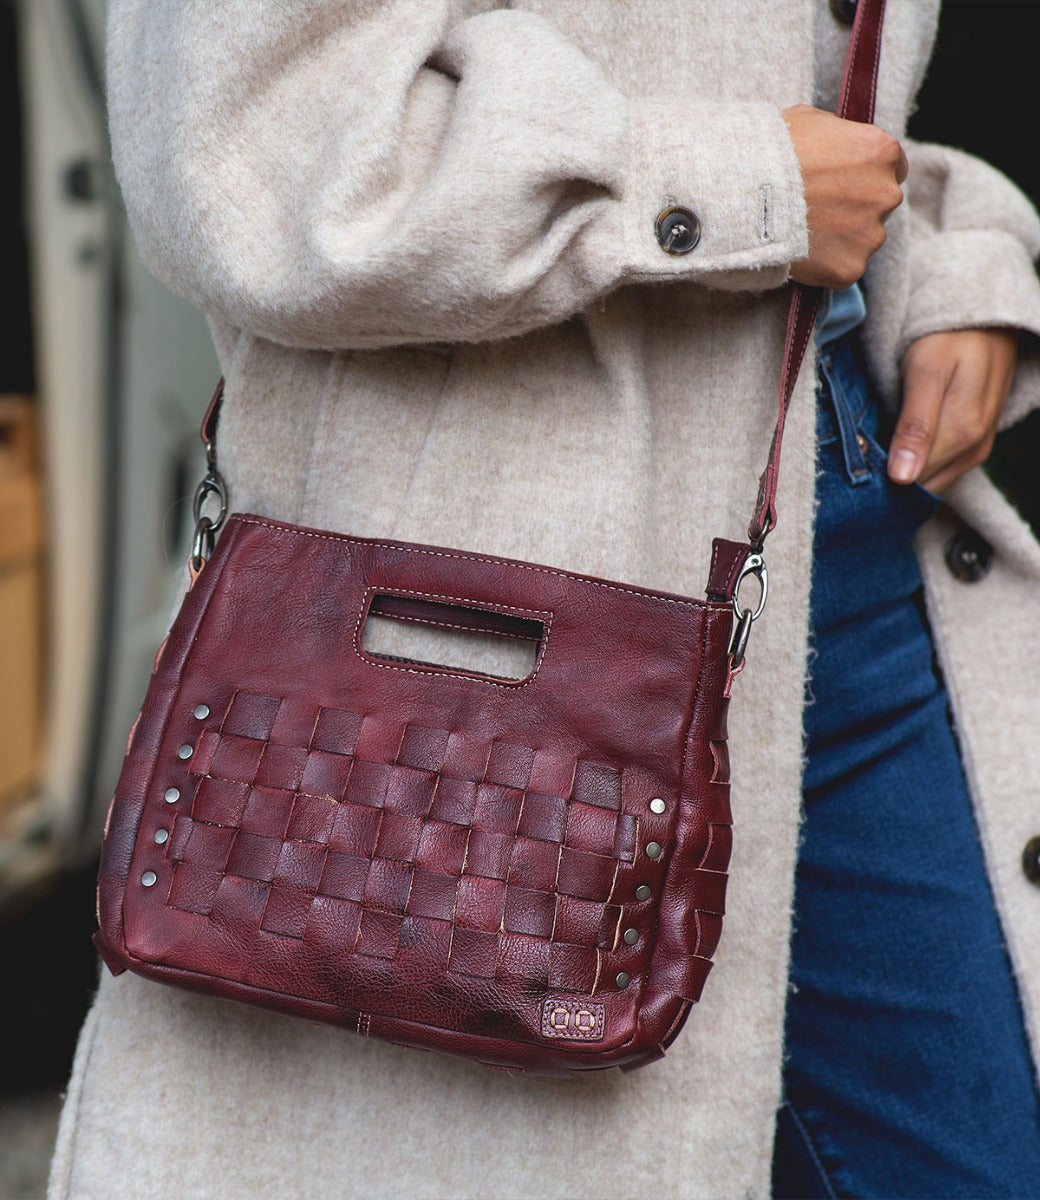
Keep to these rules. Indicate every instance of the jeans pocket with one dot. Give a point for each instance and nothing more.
(877, 458)
(798, 1173)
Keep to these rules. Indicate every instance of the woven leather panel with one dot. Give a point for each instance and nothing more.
(489, 875)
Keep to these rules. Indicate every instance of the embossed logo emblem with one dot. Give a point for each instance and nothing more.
(576, 1020)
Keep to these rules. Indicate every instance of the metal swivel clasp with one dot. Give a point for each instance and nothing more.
(745, 617)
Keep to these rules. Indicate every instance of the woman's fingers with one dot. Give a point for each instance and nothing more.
(955, 386)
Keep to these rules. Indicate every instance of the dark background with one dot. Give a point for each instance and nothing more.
(980, 96)
(980, 92)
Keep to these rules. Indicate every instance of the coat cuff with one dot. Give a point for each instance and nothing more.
(734, 167)
(972, 279)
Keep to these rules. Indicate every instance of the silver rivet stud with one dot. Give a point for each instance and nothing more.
(653, 849)
(162, 836)
(643, 892)
(631, 937)
(172, 795)
(623, 979)
(657, 805)
(148, 878)
(185, 751)
(201, 712)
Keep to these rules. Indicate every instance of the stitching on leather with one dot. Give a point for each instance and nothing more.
(847, 88)
(444, 673)
(847, 81)
(874, 73)
(796, 343)
(794, 353)
(517, 637)
(464, 602)
(544, 618)
(344, 537)
(734, 571)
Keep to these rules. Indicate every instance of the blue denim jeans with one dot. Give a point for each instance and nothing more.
(907, 1071)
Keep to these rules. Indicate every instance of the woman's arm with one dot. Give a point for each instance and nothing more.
(974, 306)
(357, 174)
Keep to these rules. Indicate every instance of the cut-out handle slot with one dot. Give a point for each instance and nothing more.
(481, 642)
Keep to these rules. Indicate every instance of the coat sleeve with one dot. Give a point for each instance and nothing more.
(343, 174)
(975, 239)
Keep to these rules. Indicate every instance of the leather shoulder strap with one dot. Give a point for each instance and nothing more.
(855, 103)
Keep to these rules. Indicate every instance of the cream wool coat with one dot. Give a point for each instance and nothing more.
(423, 231)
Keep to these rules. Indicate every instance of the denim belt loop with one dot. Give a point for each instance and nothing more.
(839, 388)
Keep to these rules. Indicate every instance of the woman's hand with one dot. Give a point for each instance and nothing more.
(955, 386)
(851, 173)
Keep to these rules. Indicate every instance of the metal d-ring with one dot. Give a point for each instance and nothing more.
(745, 617)
(202, 543)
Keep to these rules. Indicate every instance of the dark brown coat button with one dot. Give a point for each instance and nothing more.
(1031, 860)
(968, 555)
(844, 10)
(678, 230)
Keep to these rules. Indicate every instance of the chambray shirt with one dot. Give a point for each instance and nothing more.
(839, 313)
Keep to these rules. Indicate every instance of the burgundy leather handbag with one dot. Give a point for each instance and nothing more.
(530, 872)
